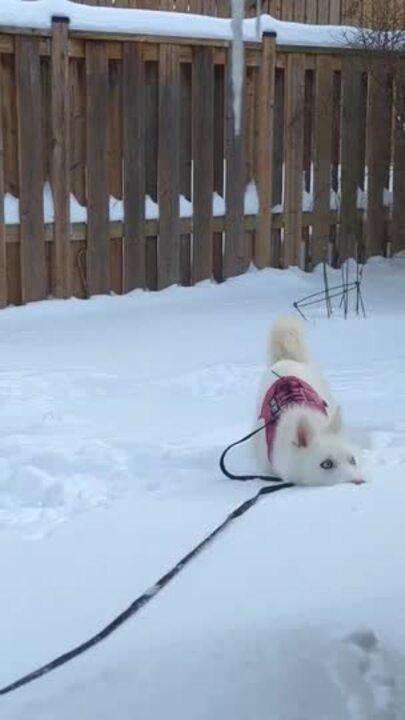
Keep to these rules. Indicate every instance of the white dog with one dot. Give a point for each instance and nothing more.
(303, 442)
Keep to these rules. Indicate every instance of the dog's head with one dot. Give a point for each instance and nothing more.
(323, 455)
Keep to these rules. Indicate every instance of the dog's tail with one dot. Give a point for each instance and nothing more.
(287, 341)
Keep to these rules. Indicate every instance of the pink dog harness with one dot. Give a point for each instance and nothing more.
(283, 393)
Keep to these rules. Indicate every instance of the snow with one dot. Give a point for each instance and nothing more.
(114, 413)
(78, 212)
(37, 14)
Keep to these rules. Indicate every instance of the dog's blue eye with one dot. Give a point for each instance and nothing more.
(327, 464)
(352, 460)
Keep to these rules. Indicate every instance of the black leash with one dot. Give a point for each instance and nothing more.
(155, 589)
(231, 476)
(145, 597)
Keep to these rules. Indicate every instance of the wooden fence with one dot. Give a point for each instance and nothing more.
(310, 11)
(108, 122)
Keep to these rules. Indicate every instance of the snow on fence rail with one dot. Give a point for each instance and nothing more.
(109, 122)
(333, 12)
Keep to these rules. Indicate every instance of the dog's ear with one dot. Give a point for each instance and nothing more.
(304, 433)
(335, 423)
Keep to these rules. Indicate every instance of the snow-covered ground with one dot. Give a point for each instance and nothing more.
(113, 414)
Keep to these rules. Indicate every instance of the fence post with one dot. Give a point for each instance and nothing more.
(61, 284)
(263, 255)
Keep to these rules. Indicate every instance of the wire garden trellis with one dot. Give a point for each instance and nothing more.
(349, 286)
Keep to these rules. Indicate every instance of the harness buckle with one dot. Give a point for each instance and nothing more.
(274, 407)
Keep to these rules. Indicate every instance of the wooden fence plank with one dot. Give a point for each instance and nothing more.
(311, 13)
(366, 12)
(336, 129)
(9, 119)
(181, 6)
(60, 284)
(299, 10)
(196, 7)
(294, 143)
(77, 125)
(116, 164)
(134, 167)
(219, 154)
(14, 295)
(234, 251)
(350, 157)
(210, 7)
(334, 12)
(250, 8)
(252, 101)
(151, 263)
(278, 141)
(351, 12)
(151, 124)
(322, 158)
(219, 128)
(186, 100)
(203, 158)
(185, 163)
(151, 153)
(263, 255)
(276, 8)
(115, 128)
(324, 11)
(98, 241)
(3, 255)
(378, 134)
(168, 166)
(398, 210)
(224, 8)
(116, 265)
(32, 250)
(308, 121)
(288, 10)
(363, 132)
(252, 124)
(46, 118)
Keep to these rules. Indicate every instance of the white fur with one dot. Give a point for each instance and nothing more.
(305, 438)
